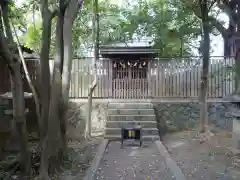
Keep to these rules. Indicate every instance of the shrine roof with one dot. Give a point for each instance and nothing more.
(144, 46)
(126, 50)
(29, 54)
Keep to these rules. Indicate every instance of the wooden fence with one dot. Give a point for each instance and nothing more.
(5, 85)
(183, 78)
(176, 78)
(166, 78)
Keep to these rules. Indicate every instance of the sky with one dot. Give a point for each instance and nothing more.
(216, 41)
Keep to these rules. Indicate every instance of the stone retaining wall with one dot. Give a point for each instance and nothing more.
(77, 117)
(184, 115)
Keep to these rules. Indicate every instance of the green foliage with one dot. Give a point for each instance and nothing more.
(168, 22)
(32, 37)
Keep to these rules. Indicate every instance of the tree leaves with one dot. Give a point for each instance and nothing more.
(163, 20)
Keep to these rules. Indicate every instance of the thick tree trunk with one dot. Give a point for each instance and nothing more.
(206, 57)
(45, 73)
(45, 88)
(17, 91)
(19, 117)
(53, 137)
(66, 77)
(53, 144)
(69, 17)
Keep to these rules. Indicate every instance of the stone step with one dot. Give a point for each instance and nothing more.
(131, 112)
(145, 137)
(131, 117)
(118, 124)
(145, 131)
(130, 105)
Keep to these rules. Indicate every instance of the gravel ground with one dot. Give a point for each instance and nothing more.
(132, 162)
(208, 161)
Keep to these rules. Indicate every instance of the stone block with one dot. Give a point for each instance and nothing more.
(118, 124)
(77, 114)
(131, 118)
(146, 131)
(131, 112)
(236, 134)
(130, 105)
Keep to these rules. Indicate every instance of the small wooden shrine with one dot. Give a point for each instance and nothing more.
(130, 69)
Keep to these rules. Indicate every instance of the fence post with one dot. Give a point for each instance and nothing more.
(149, 83)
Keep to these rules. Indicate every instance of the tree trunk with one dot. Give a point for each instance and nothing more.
(31, 85)
(52, 145)
(237, 55)
(45, 87)
(237, 72)
(230, 39)
(95, 34)
(206, 57)
(17, 91)
(45, 74)
(19, 117)
(69, 17)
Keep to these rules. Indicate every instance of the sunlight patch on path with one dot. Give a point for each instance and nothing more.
(177, 144)
(134, 152)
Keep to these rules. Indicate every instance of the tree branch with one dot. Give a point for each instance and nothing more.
(211, 5)
(72, 9)
(214, 22)
(30, 83)
(5, 18)
(62, 7)
(224, 6)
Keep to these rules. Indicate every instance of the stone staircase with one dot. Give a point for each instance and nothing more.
(131, 113)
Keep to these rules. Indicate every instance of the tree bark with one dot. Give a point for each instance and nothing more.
(69, 17)
(95, 34)
(206, 57)
(237, 72)
(31, 85)
(17, 91)
(45, 72)
(20, 118)
(237, 55)
(45, 87)
(53, 145)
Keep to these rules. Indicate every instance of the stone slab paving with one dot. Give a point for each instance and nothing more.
(133, 162)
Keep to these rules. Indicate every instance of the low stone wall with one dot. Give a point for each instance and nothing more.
(185, 115)
(77, 115)
(76, 118)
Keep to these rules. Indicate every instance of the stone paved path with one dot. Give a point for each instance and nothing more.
(132, 162)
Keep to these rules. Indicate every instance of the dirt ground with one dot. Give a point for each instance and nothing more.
(81, 154)
(211, 160)
(80, 158)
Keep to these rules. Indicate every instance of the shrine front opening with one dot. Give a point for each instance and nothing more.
(130, 79)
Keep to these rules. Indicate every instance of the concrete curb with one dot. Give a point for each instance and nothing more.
(91, 171)
(171, 164)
